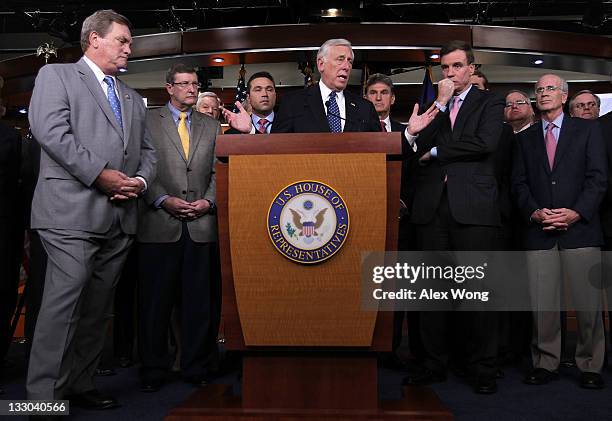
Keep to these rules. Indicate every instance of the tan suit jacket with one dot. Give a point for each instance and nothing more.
(190, 178)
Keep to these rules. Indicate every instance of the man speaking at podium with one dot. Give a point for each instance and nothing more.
(323, 107)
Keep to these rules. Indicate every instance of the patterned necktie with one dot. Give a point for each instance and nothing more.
(551, 144)
(454, 110)
(383, 126)
(113, 99)
(262, 123)
(183, 132)
(333, 114)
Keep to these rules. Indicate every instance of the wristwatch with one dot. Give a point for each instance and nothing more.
(212, 207)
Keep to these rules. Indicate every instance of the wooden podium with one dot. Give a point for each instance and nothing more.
(309, 350)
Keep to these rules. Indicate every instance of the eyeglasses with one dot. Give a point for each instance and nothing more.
(582, 105)
(517, 103)
(185, 85)
(548, 88)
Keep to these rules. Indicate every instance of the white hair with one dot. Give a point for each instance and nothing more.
(208, 94)
(563, 82)
(324, 49)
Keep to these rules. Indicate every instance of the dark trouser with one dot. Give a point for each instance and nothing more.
(407, 242)
(11, 247)
(188, 271)
(125, 307)
(476, 331)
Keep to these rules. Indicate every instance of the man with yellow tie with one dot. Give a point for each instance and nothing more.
(177, 237)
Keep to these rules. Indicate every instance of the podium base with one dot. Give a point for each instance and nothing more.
(216, 403)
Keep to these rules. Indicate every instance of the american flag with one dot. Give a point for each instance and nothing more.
(241, 90)
(428, 94)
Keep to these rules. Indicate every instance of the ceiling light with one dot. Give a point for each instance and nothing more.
(218, 59)
(331, 13)
(538, 61)
(434, 56)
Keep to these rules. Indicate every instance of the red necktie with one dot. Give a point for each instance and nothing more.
(551, 144)
(454, 110)
(262, 125)
(383, 126)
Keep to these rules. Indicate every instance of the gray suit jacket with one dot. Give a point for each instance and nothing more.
(72, 120)
(190, 179)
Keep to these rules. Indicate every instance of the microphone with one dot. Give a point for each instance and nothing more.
(333, 114)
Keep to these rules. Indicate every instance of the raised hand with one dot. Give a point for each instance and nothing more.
(419, 122)
(241, 121)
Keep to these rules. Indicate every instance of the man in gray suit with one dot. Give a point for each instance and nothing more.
(177, 236)
(96, 159)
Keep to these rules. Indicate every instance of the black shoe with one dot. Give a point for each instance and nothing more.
(125, 362)
(150, 386)
(567, 363)
(540, 376)
(485, 385)
(591, 381)
(104, 372)
(199, 381)
(392, 362)
(92, 399)
(423, 377)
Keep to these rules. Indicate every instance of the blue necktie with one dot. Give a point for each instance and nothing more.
(112, 98)
(333, 114)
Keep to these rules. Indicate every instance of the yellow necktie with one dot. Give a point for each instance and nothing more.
(184, 133)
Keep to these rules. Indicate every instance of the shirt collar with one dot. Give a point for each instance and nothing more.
(256, 118)
(557, 121)
(325, 91)
(176, 112)
(98, 73)
(463, 94)
(387, 123)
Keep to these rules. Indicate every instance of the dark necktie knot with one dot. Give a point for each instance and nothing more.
(262, 123)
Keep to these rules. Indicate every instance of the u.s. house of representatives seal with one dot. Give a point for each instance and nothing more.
(308, 221)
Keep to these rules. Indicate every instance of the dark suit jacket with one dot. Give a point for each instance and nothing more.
(606, 207)
(577, 181)
(10, 161)
(466, 156)
(303, 112)
(503, 158)
(231, 130)
(409, 163)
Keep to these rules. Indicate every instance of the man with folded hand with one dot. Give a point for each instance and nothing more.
(96, 159)
(559, 179)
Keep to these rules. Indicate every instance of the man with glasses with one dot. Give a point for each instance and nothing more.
(585, 104)
(518, 112)
(559, 180)
(177, 237)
